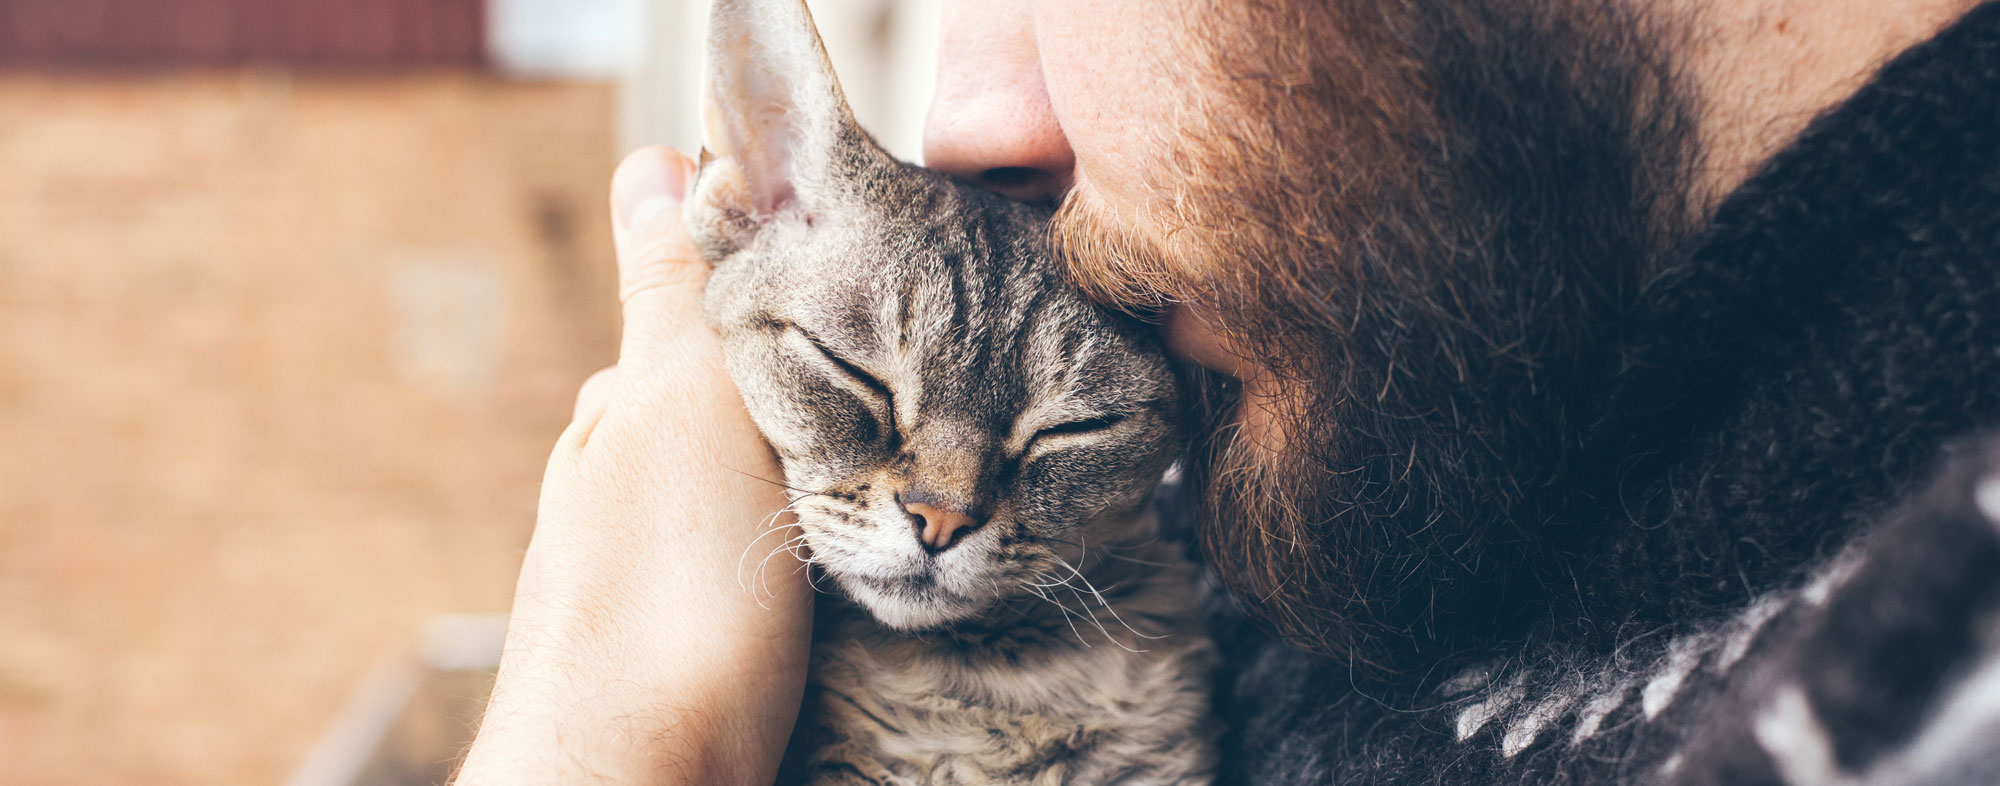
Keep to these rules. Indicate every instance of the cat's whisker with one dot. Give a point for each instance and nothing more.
(1109, 555)
(810, 581)
(787, 547)
(786, 486)
(1107, 604)
(1132, 545)
(1085, 602)
(1068, 618)
(791, 546)
(1030, 585)
(1137, 561)
(768, 526)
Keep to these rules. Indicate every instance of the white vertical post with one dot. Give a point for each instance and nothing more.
(659, 98)
(561, 39)
(912, 77)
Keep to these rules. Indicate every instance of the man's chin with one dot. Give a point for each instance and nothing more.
(910, 605)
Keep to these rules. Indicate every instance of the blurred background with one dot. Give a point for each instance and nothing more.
(294, 299)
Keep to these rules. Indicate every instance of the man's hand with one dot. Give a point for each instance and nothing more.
(635, 653)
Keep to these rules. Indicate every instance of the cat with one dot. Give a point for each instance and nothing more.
(971, 449)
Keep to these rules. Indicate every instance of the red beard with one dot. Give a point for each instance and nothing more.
(1425, 222)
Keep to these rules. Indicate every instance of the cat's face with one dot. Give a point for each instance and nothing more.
(955, 420)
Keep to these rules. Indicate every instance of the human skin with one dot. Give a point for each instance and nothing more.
(635, 655)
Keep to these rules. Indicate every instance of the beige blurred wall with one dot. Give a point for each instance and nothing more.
(281, 357)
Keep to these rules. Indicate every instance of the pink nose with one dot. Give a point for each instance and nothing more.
(937, 528)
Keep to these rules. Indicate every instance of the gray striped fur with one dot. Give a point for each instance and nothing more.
(898, 335)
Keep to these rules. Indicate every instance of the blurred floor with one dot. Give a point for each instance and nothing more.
(281, 357)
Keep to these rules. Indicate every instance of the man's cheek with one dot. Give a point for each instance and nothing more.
(1262, 418)
(1115, 71)
(1196, 338)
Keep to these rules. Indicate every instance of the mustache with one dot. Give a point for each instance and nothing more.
(1115, 265)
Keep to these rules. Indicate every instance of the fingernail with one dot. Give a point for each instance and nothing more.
(648, 187)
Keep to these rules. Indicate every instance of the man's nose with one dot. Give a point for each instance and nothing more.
(938, 526)
(991, 121)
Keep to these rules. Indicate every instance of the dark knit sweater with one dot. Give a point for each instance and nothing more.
(1782, 564)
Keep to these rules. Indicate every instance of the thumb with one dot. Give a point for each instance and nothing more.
(660, 274)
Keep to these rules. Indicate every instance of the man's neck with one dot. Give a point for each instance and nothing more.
(1763, 69)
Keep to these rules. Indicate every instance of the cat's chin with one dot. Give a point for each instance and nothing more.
(903, 607)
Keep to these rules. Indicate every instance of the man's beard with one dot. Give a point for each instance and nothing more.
(1425, 222)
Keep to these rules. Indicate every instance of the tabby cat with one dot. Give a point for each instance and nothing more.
(971, 448)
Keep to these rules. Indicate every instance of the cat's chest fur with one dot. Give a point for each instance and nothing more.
(1031, 700)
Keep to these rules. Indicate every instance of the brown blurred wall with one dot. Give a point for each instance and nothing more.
(320, 32)
(281, 356)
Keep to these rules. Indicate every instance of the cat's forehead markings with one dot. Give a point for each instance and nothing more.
(905, 378)
(896, 339)
(1049, 355)
(898, 312)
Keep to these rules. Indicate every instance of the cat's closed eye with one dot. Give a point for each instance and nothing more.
(1056, 436)
(847, 367)
(1086, 426)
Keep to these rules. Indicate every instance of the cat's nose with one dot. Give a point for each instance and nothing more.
(939, 528)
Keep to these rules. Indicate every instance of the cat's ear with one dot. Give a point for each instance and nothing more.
(774, 120)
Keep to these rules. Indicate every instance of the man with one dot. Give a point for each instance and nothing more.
(1596, 387)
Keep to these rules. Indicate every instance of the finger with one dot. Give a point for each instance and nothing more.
(660, 274)
(595, 393)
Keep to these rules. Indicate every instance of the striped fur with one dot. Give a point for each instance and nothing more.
(901, 337)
